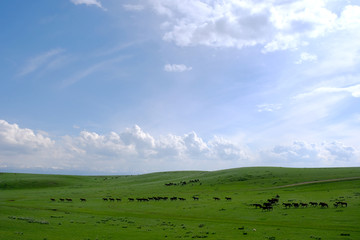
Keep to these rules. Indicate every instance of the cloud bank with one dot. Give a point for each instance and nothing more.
(135, 151)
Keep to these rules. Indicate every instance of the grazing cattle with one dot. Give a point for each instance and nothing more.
(287, 205)
(257, 205)
(62, 199)
(82, 199)
(195, 198)
(267, 204)
(182, 199)
(216, 198)
(111, 199)
(303, 204)
(313, 204)
(323, 205)
(118, 199)
(142, 199)
(295, 205)
(343, 204)
(267, 208)
(131, 199)
(69, 199)
(173, 198)
(228, 198)
(273, 200)
(105, 199)
(52, 199)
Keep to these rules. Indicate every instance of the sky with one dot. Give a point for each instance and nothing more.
(132, 87)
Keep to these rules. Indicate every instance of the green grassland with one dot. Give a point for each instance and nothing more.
(26, 211)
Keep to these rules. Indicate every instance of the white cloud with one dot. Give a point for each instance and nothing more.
(313, 154)
(276, 25)
(133, 7)
(269, 107)
(176, 68)
(135, 151)
(354, 91)
(88, 2)
(306, 57)
(14, 138)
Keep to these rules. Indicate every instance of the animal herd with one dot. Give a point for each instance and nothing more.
(67, 199)
(270, 203)
(182, 183)
(147, 199)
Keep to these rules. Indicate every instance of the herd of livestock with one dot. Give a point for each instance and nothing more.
(267, 205)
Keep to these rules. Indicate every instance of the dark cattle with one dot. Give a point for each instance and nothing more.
(342, 204)
(228, 198)
(52, 199)
(273, 200)
(303, 204)
(118, 199)
(173, 198)
(62, 200)
(105, 199)
(267, 208)
(313, 204)
(82, 199)
(287, 205)
(295, 205)
(277, 196)
(216, 198)
(257, 205)
(182, 199)
(323, 205)
(267, 204)
(142, 199)
(69, 199)
(195, 198)
(111, 199)
(131, 199)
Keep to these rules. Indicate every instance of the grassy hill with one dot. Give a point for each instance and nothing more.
(27, 211)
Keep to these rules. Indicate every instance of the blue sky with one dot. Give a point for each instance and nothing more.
(118, 87)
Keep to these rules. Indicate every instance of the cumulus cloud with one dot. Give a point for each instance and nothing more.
(21, 140)
(176, 68)
(313, 154)
(135, 151)
(275, 25)
(132, 150)
(88, 2)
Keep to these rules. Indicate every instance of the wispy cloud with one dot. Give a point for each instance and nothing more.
(89, 2)
(176, 68)
(101, 66)
(354, 90)
(133, 7)
(47, 59)
(269, 107)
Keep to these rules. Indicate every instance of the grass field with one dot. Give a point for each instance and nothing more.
(27, 211)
